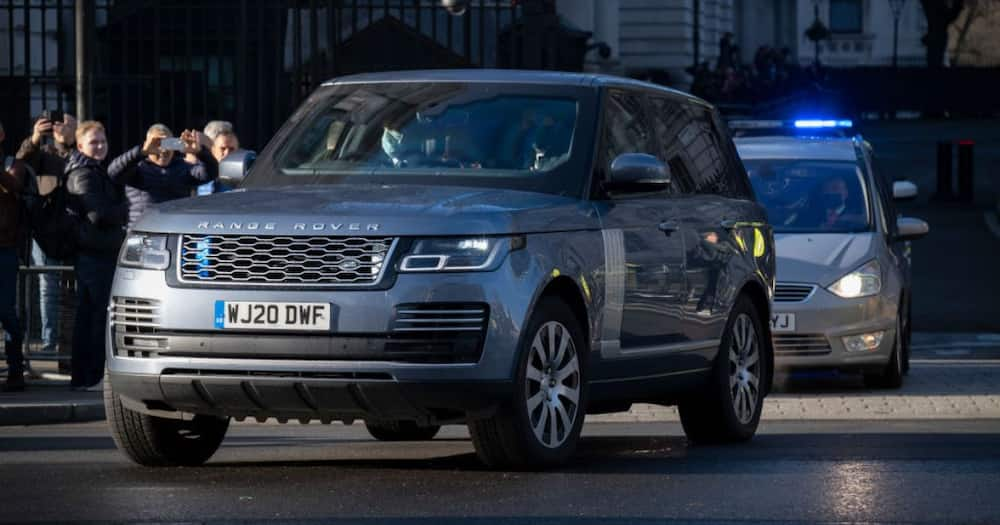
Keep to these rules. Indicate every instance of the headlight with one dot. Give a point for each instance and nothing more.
(862, 282)
(145, 250)
(459, 254)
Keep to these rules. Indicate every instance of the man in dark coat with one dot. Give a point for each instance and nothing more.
(11, 184)
(101, 206)
(47, 157)
(157, 172)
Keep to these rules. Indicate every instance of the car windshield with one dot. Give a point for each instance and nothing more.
(811, 196)
(493, 135)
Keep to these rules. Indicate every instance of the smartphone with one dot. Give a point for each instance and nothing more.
(54, 115)
(172, 143)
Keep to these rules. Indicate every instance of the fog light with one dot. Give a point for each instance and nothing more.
(863, 342)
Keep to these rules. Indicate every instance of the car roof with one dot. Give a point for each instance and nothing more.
(512, 76)
(811, 148)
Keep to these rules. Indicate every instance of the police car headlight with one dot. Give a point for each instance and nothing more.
(459, 254)
(862, 282)
(145, 250)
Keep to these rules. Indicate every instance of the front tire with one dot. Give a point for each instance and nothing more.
(891, 377)
(541, 424)
(729, 409)
(401, 431)
(162, 442)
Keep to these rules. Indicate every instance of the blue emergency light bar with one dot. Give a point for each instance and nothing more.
(814, 124)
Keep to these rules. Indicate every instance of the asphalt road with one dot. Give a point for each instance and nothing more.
(840, 471)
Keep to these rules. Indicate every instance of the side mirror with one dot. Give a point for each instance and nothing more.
(637, 172)
(233, 169)
(911, 229)
(904, 190)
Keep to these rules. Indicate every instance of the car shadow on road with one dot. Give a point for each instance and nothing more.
(931, 380)
(675, 455)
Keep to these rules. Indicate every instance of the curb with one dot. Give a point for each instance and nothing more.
(51, 413)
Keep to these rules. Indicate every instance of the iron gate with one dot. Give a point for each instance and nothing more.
(185, 62)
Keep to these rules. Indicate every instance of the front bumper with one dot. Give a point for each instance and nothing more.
(350, 372)
(821, 322)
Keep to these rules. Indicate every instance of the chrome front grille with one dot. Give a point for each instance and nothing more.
(136, 325)
(792, 293)
(801, 344)
(440, 317)
(283, 260)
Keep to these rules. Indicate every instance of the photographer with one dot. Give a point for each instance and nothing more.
(46, 152)
(156, 171)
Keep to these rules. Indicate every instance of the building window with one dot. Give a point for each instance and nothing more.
(845, 16)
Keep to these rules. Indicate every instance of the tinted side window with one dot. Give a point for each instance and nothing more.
(883, 188)
(669, 119)
(626, 128)
(737, 181)
(702, 150)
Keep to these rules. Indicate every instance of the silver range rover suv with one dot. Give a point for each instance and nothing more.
(507, 250)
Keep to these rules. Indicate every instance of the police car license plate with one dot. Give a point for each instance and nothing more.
(272, 316)
(782, 322)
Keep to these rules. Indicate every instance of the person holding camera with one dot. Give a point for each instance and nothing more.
(221, 147)
(11, 184)
(46, 151)
(156, 171)
(102, 211)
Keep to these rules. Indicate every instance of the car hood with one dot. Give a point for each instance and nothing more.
(371, 209)
(821, 258)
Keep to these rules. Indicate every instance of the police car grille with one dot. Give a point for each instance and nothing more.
(801, 344)
(792, 293)
(283, 260)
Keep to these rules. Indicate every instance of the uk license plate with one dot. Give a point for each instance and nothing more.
(272, 316)
(782, 322)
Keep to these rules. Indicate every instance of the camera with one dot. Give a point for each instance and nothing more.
(53, 116)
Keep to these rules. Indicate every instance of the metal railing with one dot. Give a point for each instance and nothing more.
(29, 313)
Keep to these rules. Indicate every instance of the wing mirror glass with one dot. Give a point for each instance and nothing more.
(233, 169)
(637, 172)
(910, 229)
(904, 190)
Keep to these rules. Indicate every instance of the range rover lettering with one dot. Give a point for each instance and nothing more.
(507, 250)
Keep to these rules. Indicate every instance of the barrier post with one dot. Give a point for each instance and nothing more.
(944, 192)
(965, 171)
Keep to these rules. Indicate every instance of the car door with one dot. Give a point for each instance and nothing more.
(710, 205)
(644, 252)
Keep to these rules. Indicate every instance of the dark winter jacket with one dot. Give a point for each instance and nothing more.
(46, 159)
(11, 184)
(146, 183)
(99, 202)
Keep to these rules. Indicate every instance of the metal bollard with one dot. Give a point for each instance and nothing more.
(944, 192)
(965, 171)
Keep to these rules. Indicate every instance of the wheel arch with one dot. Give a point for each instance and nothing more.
(568, 290)
(758, 296)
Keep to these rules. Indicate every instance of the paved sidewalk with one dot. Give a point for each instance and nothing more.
(953, 376)
(47, 402)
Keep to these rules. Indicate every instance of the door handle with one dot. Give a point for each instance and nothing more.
(667, 227)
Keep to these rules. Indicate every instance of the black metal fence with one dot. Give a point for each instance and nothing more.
(184, 62)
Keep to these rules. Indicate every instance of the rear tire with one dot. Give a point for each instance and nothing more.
(728, 411)
(162, 442)
(541, 424)
(401, 431)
